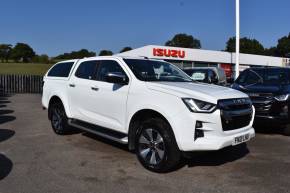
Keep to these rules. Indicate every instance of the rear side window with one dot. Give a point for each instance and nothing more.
(212, 74)
(61, 69)
(199, 75)
(86, 70)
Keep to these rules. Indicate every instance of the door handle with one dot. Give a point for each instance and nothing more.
(94, 88)
(72, 85)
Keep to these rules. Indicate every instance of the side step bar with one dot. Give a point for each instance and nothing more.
(101, 131)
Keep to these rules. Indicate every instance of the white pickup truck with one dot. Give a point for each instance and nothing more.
(151, 105)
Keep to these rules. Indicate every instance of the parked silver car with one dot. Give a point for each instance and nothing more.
(211, 75)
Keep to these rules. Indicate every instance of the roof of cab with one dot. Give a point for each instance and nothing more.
(111, 57)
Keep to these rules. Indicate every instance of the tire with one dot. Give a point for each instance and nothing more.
(156, 147)
(58, 119)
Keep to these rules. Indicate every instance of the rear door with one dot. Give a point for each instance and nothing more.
(81, 93)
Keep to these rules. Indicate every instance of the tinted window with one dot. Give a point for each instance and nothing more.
(242, 78)
(86, 70)
(61, 69)
(109, 66)
(212, 74)
(253, 78)
(275, 76)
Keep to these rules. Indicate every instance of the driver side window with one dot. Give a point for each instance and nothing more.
(108, 66)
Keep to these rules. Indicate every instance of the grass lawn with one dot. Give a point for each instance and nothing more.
(24, 68)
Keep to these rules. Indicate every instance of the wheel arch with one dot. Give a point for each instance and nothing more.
(54, 99)
(135, 121)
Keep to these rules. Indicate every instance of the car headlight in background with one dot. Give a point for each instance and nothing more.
(199, 106)
(283, 97)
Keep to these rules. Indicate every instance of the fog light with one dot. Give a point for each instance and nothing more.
(198, 124)
(198, 132)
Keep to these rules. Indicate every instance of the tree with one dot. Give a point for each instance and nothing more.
(22, 52)
(105, 53)
(76, 54)
(43, 59)
(5, 51)
(184, 41)
(247, 46)
(271, 51)
(125, 49)
(283, 47)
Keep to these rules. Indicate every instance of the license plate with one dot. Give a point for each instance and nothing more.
(241, 139)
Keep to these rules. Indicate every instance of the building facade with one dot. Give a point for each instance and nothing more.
(188, 58)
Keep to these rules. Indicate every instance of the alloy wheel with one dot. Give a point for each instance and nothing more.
(57, 119)
(151, 146)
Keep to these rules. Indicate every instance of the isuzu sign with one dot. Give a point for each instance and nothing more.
(168, 52)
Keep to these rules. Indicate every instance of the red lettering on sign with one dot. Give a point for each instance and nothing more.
(168, 53)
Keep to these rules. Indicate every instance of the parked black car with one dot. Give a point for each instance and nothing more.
(211, 75)
(269, 90)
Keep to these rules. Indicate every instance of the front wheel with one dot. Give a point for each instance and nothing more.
(156, 147)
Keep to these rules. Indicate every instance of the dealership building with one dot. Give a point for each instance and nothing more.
(188, 58)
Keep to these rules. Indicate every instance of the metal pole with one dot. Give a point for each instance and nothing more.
(237, 66)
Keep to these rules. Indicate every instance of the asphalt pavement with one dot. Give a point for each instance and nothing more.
(35, 160)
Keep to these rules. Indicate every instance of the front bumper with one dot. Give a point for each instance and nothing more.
(219, 142)
(272, 119)
(275, 112)
(215, 137)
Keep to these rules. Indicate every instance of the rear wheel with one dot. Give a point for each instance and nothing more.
(58, 118)
(156, 147)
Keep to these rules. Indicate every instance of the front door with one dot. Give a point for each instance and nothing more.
(108, 103)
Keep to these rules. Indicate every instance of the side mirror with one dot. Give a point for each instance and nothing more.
(116, 78)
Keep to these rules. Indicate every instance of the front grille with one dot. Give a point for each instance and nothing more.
(236, 122)
(262, 102)
(235, 113)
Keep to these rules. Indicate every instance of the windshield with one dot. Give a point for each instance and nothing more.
(275, 76)
(149, 70)
(270, 76)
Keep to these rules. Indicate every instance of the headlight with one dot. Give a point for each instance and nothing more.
(283, 97)
(198, 106)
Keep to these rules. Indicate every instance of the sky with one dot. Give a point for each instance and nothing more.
(56, 26)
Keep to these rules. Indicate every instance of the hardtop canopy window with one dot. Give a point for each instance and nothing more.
(149, 70)
(61, 69)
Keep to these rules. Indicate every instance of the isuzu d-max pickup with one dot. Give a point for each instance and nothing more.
(151, 105)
